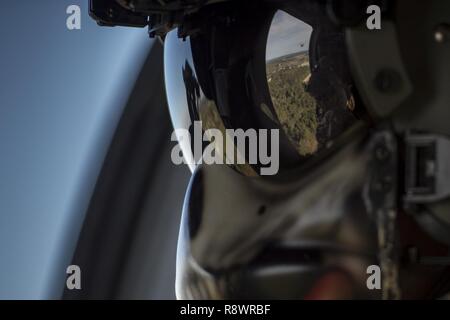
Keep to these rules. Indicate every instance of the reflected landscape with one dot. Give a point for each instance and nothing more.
(288, 74)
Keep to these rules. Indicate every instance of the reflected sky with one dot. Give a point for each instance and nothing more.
(178, 53)
(287, 35)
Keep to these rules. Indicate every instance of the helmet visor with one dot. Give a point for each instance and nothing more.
(282, 68)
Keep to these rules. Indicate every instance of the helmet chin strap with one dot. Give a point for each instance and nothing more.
(381, 189)
(380, 195)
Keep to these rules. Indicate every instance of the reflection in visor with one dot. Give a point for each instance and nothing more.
(313, 103)
(188, 103)
(288, 71)
(218, 77)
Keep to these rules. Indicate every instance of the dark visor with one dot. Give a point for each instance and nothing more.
(280, 68)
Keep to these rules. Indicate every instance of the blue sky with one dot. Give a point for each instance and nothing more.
(62, 93)
(286, 36)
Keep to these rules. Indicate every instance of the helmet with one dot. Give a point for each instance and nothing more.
(360, 114)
